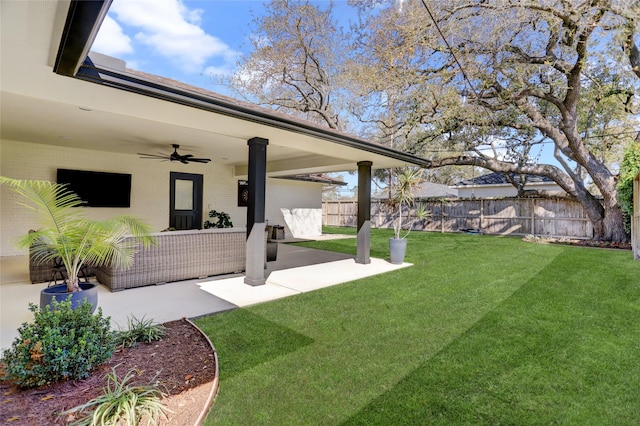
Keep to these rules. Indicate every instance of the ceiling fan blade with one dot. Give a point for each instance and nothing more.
(174, 156)
(152, 156)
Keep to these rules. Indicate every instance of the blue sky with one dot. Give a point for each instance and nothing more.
(188, 40)
(184, 40)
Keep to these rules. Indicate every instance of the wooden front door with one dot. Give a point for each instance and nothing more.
(185, 211)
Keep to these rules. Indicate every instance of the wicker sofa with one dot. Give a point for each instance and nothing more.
(180, 255)
(48, 271)
(40, 272)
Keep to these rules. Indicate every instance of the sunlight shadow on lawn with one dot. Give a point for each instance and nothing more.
(251, 339)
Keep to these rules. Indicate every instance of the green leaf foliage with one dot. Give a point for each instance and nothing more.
(629, 169)
(60, 344)
(121, 403)
(222, 220)
(140, 330)
(67, 234)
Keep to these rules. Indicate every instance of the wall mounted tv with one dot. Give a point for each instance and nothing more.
(98, 189)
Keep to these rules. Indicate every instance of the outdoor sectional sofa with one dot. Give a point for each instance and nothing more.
(180, 255)
(50, 270)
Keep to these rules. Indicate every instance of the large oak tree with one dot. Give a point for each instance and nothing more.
(508, 74)
(480, 83)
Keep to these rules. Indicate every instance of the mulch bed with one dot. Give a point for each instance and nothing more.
(603, 244)
(581, 243)
(181, 361)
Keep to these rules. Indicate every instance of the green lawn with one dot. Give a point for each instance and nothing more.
(481, 330)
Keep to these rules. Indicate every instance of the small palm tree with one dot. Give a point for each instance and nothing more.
(67, 235)
(404, 192)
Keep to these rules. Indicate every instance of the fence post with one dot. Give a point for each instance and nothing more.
(324, 212)
(481, 213)
(441, 216)
(533, 216)
(354, 206)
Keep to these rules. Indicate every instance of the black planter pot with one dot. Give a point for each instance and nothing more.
(272, 251)
(89, 292)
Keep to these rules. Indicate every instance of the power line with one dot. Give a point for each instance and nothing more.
(455, 58)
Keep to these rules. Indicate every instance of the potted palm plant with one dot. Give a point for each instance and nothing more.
(73, 240)
(403, 195)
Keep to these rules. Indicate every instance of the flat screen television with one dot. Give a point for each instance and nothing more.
(98, 189)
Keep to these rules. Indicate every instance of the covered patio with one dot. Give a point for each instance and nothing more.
(63, 106)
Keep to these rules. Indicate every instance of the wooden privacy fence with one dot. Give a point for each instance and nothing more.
(551, 217)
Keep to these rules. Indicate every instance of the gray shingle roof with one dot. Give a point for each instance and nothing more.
(497, 178)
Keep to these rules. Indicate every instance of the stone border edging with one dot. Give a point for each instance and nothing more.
(214, 385)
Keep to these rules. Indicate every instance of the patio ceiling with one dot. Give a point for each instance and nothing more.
(40, 106)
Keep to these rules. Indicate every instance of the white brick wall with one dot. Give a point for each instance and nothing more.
(290, 194)
(149, 187)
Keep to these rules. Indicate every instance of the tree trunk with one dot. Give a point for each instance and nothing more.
(73, 283)
(610, 224)
(613, 225)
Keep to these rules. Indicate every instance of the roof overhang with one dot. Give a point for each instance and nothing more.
(81, 28)
(315, 178)
(145, 114)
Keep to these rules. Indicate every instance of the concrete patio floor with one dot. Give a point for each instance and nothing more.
(297, 270)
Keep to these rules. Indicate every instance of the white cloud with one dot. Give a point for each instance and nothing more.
(193, 16)
(172, 30)
(111, 40)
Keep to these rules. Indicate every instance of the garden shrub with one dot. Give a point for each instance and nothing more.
(628, 170)
(144, 330)
(222, 220)
(121, 403)
(61, 343)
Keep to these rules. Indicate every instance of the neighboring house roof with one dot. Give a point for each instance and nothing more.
(497, 178)
(426, 190)
(433, 190)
